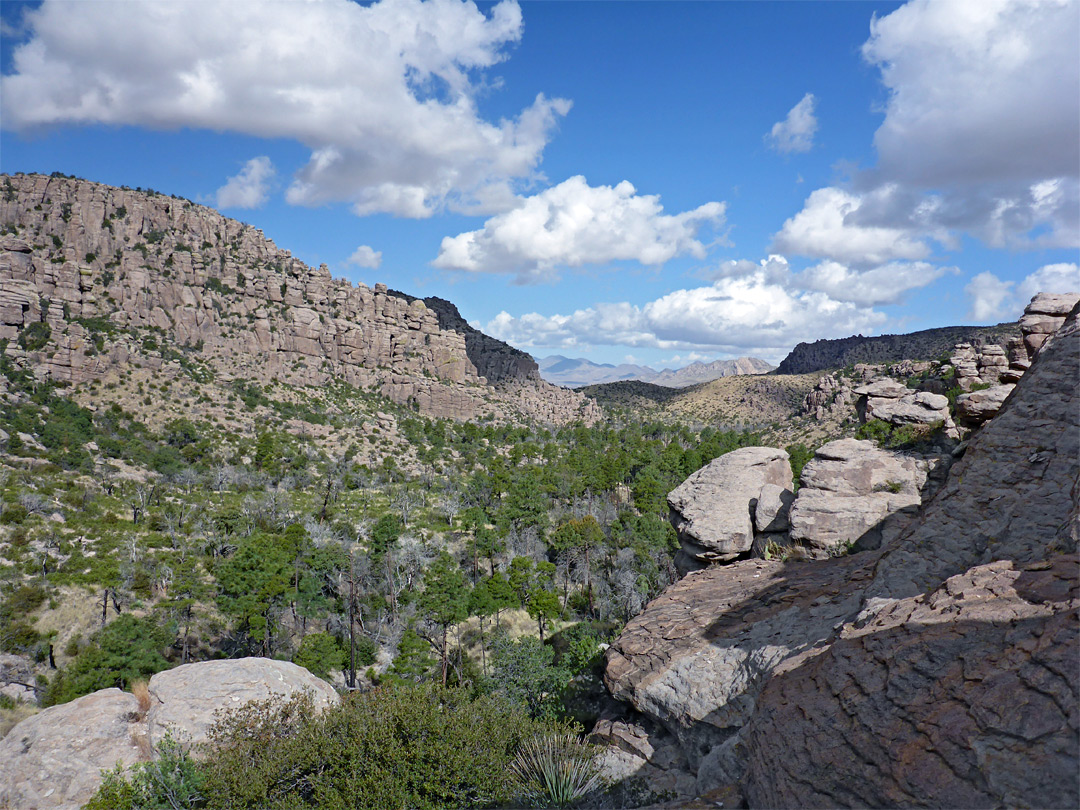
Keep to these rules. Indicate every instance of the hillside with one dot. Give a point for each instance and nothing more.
(925, 345)
(120, 278)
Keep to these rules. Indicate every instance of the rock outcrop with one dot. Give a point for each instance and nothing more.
(889, 401)
(938, 670)
(855, 493)
(54, 759)
(103, 268)
(713, 510)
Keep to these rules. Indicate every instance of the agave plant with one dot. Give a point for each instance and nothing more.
(556, 770)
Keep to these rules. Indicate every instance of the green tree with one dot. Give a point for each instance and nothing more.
(444, 600)
(254, 584)
(126, 650)
(525, 672)
(320, 654)
(413, 661)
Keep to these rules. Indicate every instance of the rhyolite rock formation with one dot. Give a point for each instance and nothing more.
(854, 492)
(939, 670)
(54, 759)
(104, 267)
(712, 510)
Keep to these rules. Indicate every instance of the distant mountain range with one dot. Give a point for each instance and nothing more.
(574, 372)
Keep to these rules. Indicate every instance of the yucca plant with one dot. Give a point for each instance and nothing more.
(556, 770)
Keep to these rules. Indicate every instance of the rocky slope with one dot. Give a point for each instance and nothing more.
(924, 345)
(938, 670)
(89, 272)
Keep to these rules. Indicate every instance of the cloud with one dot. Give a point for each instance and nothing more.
(826, 228)
(981, 136)
(738, 314)
(382, 94)
(993, 299)
(978, 91)
(796, 132)
(364, 256)
(573, 224)
(1053, 278)
(886, 284)
(250, 188)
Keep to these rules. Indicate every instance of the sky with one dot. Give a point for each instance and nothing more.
(651, 182)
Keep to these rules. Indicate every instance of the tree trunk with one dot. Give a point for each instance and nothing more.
(444, 656)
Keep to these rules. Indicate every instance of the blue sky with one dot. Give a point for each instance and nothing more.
(659, 182)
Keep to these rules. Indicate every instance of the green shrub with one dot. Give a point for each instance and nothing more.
(34, 337)
(173, 779)
(411, 746)
(124, 651)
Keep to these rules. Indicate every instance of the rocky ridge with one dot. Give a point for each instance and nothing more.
(885, 349)
(88, 260)
(930, 672)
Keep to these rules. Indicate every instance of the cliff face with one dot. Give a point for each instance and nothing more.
(91, 261)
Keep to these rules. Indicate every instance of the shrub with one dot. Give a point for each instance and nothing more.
(34, 337)
(173, 779)
(126, 650)
(412, 746)
(320, 654)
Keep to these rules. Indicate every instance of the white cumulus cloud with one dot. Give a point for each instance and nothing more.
(751, 311)
(382, 94)
(365, 256)
(886, 284)
(1062, 277)
(981, 136)
(573, 224)
(826, 227)
(250, 188)
(994, 299)
(796, 132)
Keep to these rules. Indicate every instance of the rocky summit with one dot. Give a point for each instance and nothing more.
(102, 268)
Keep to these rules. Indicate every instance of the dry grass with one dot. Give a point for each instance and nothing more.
(141, 740)
(78, 612)
(9, 718)
(141, 691)
(752, 400)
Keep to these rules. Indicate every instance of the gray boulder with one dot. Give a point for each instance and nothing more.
(712, 509)
(980, 406)
(854, 492)
(54, 759)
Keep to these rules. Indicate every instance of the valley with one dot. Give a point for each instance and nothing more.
(214, 455)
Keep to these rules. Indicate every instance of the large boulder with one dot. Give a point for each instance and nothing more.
(854, 492)
(185, 699)
(712, 510)
(698, 655)
(981, 406)
(54, 759)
